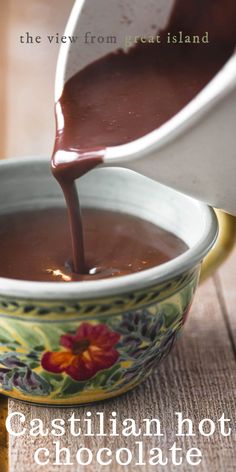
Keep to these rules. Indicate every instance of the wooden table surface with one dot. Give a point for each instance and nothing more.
(198, 379)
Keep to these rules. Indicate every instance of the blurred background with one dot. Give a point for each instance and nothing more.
(27, 75)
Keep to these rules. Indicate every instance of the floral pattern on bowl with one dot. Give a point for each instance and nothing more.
(78, 356)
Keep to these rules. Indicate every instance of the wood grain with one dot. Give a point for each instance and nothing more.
(198, 379)
(3, 434)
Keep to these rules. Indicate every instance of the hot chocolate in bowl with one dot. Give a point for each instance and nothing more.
(116, 244)
(80, 342)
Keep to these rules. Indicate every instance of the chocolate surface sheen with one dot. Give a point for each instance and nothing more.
(35, 245)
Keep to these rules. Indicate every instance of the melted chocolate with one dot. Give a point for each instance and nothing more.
(35, 245)
(123, 96)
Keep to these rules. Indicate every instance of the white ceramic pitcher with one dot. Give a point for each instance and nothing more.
(194, 152)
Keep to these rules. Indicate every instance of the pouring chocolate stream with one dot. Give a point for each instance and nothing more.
(124, 96)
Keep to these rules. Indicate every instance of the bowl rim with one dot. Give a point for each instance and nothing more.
(117, 286)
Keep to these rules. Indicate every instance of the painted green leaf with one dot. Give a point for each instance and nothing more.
(171, 312)
(6, 337)
(71, 387)
(31, 383)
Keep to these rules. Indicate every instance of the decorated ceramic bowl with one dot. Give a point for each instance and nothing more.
(80, 342)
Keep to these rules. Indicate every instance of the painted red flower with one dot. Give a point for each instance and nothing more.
(88, 351)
